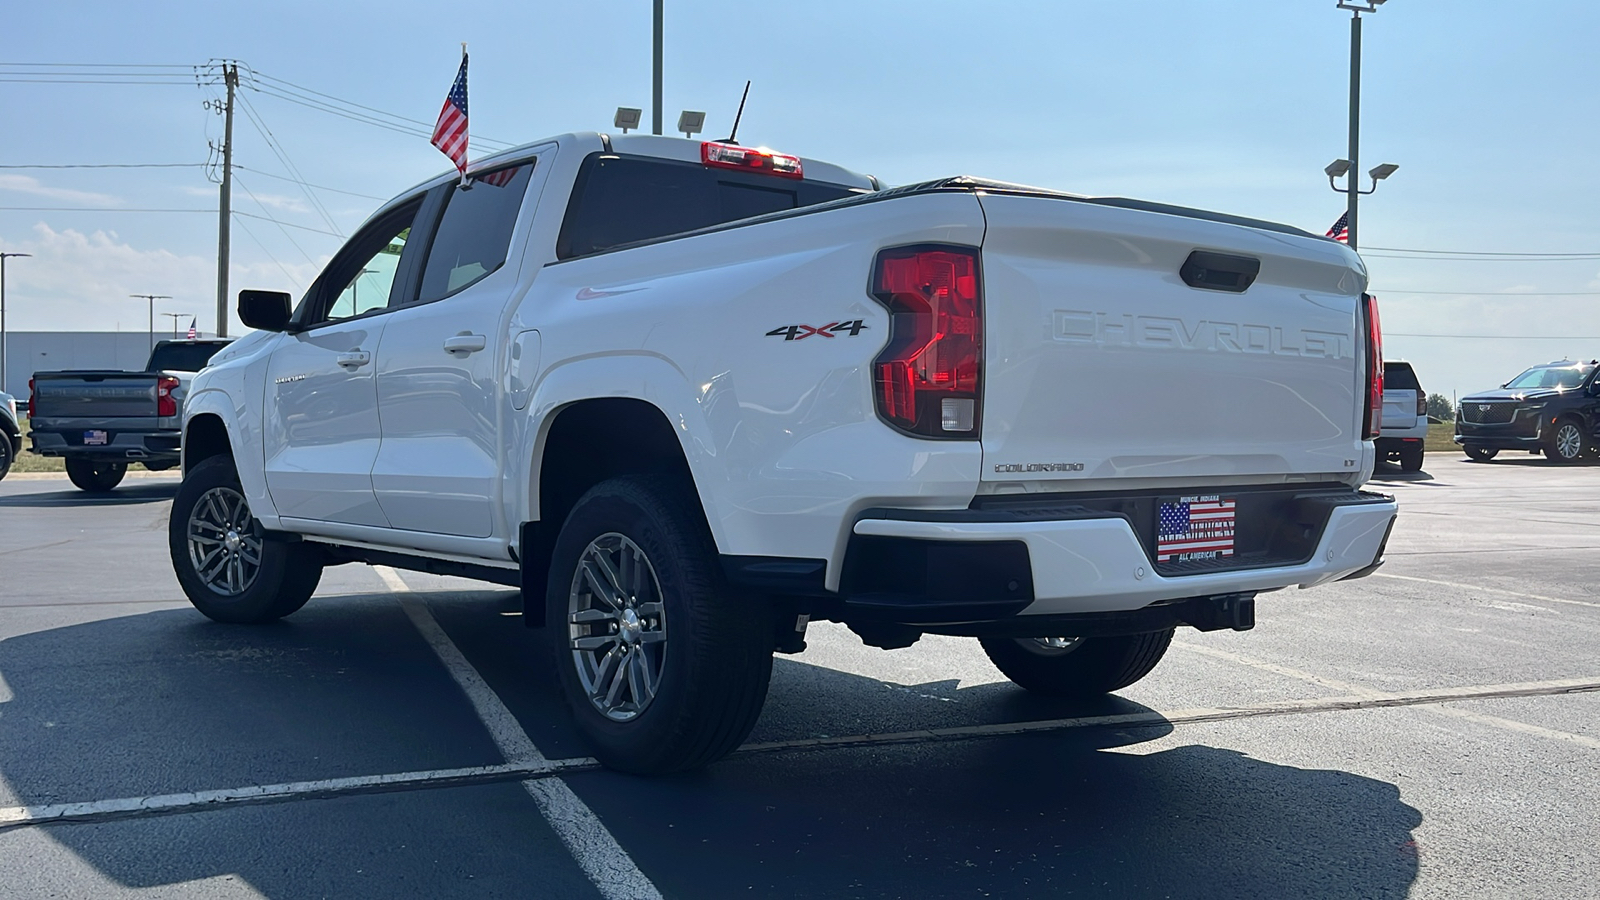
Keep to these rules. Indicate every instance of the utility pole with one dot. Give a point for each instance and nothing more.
(655, 112)
(152, 298)
(230, 76)
(3, 258)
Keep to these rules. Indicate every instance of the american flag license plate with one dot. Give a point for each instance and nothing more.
(92, 438)
(1194, 528)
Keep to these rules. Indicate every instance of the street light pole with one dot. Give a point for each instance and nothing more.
(152, 298)
(175, 317)
(3, 258)
(1352, 166)
(655, 113)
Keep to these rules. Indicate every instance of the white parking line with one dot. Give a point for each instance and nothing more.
(1443, 695)
(1479, 587)
(610, 868)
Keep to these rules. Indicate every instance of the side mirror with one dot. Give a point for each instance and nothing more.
(264, 310)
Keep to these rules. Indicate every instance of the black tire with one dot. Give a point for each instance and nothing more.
(7, 454)
(1478, 453)
(95, 476)
(1086, 667)
(285, 573)
(1566, 443)
(714, 661)
(1411, 460)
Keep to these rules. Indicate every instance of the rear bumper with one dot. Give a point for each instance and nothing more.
(124, 446)
(932, 567)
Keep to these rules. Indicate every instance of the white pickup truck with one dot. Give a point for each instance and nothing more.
(689, 396)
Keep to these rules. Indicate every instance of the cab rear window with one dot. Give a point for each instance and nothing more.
(623, 199)
(1399, 377)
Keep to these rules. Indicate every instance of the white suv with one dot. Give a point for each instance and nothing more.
(1405, 416)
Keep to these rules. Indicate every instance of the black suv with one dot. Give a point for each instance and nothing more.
(1553, 408)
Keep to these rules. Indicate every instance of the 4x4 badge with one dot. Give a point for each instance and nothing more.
(832, 329)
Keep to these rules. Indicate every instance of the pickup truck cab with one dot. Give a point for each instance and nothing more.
(1552, 409)
(689, 396)
(99, 421)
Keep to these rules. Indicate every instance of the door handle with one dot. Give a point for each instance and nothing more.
(465, 342)
(355, 359)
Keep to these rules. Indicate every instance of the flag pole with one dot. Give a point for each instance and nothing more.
(466, 139)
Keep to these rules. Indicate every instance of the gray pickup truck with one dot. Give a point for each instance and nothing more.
(100, 421)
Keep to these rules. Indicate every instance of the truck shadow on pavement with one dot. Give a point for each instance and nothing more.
(167, 702)
(126, 495)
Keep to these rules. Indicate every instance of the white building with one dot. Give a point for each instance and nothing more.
(27, 352)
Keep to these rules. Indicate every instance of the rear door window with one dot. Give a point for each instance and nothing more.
(622, 199)
(1399, 377)
(474, 234)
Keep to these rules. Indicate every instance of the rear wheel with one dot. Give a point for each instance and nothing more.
(663, 667)
(5, 453)
(1411, 459)
(1479, 454)
(94, 475)
(1566, 443)
(1077, 667)
(229, 571)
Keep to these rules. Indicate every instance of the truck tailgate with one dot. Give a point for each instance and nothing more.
(94, 395)
(1101, 362)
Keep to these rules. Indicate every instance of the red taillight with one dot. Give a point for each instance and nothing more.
(749, 159)
(1371, 417)
(33, 400)
(1422, 404)
(927, 380)
(166, 404)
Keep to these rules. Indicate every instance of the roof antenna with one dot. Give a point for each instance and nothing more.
(739, 115)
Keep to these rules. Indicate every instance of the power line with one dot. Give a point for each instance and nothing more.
(283, 156)
(108, 166)
(284, 224)
(99, 209)
(292, 280)
(1498, 293)
(1589, 255)
(320, 187)
(274, 221)
(1500, 337)
(100, 65)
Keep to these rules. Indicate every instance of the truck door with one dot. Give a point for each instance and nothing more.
(320, 426)
(438, 368)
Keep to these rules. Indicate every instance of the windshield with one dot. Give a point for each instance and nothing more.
(1563, 377)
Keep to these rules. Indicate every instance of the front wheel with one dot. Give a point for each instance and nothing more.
(664, 668)
(1477, 453)
(1566, 444)
(225, 564)
(6, 454)
(1077, 666)
(95, 476)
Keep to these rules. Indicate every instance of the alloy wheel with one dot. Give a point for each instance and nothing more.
(224, 542)
(1569, 441)
(617, 627)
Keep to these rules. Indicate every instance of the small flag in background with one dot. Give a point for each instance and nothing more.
(450, 133)
(1339, 232)
(192, 333)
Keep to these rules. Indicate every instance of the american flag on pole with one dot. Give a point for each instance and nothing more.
(450, 132)
(192, 333)
(1341, 229)
(1195, 528)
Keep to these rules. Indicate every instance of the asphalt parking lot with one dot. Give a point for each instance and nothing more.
(1431, 731)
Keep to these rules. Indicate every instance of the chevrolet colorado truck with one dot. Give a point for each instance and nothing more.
(690, 396)
(99, 421)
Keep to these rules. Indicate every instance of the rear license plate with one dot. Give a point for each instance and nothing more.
(1194, 528)
(93, 438)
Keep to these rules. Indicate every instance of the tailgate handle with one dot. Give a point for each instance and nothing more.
(1219, 271)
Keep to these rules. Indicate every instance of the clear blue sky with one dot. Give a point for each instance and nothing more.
(1489, 108)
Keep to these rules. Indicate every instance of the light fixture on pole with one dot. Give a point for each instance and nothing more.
(175, 317)
(151, 298)
(3, 258)
(627, 118)
(691, 123)
(1353, 164)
